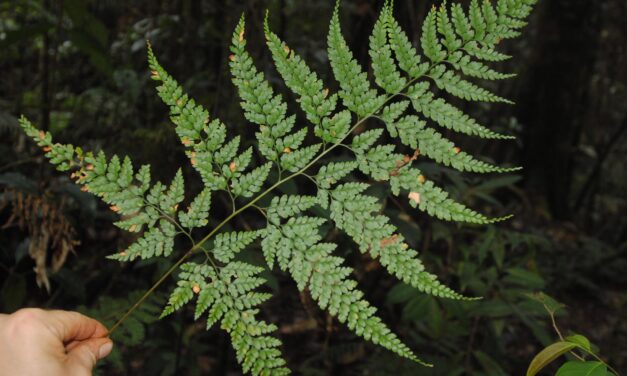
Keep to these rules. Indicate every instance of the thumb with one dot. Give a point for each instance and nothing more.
(82, 358)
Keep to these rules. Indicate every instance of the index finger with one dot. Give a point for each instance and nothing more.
(73, 326)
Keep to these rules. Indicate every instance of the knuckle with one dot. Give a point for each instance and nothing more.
(27, 316)
(24, 321)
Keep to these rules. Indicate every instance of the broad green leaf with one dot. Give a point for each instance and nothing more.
(578, 368)
(549, 354)
(581, 342)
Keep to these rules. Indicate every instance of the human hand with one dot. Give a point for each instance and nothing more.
(34, 342)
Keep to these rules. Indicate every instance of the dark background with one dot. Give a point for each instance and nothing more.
(78, 69)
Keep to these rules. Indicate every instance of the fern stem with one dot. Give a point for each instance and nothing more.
(172, 220)
(167, 274)
(147, 293)
(312, 179)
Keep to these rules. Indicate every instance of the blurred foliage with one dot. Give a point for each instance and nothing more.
(78, 68)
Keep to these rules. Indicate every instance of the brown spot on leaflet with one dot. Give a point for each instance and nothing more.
(389, 240)
(414, 196)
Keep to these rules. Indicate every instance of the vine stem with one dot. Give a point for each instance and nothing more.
(559, 334)
(241, 209)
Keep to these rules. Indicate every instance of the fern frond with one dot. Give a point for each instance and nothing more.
(334, 128)
(262, 107)
(287, 206)
(457, 86)
(217, 163)
(408, 59)
(230, 298)
(228, 244)
(446, 29)
(127, 193)
(280, 240)
(426, 196)
(190, 118)
(484, 52)
(249, 184)
(333, 172)
(330, 287)
(384, 68)
(476, 69)
(474, 31)
(357, 214)
(462, 25)
(295, 160)
(393, 111)
(429, 41)
(170, 200)
(364, 141)
(443, 151)
(198, 211)
(456, 46)
(158, 241)
(412, 132)
(356, 93)
(227, 152)
(313, 99)
(446, 115)
(408, 129)
(379, 161)
(133, 331)
(297, 249)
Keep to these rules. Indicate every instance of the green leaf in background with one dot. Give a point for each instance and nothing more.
(549, 354)
(580, 341)
(551, 304)
(524, 278)
(490, 365)
(577, 368)
(89, 35)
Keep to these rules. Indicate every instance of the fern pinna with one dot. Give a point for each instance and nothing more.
(456, 46)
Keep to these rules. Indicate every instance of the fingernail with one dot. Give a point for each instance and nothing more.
(105, 350)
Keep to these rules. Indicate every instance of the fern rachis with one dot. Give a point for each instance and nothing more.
(454, 44)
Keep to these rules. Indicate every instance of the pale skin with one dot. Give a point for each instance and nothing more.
(36, 342)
